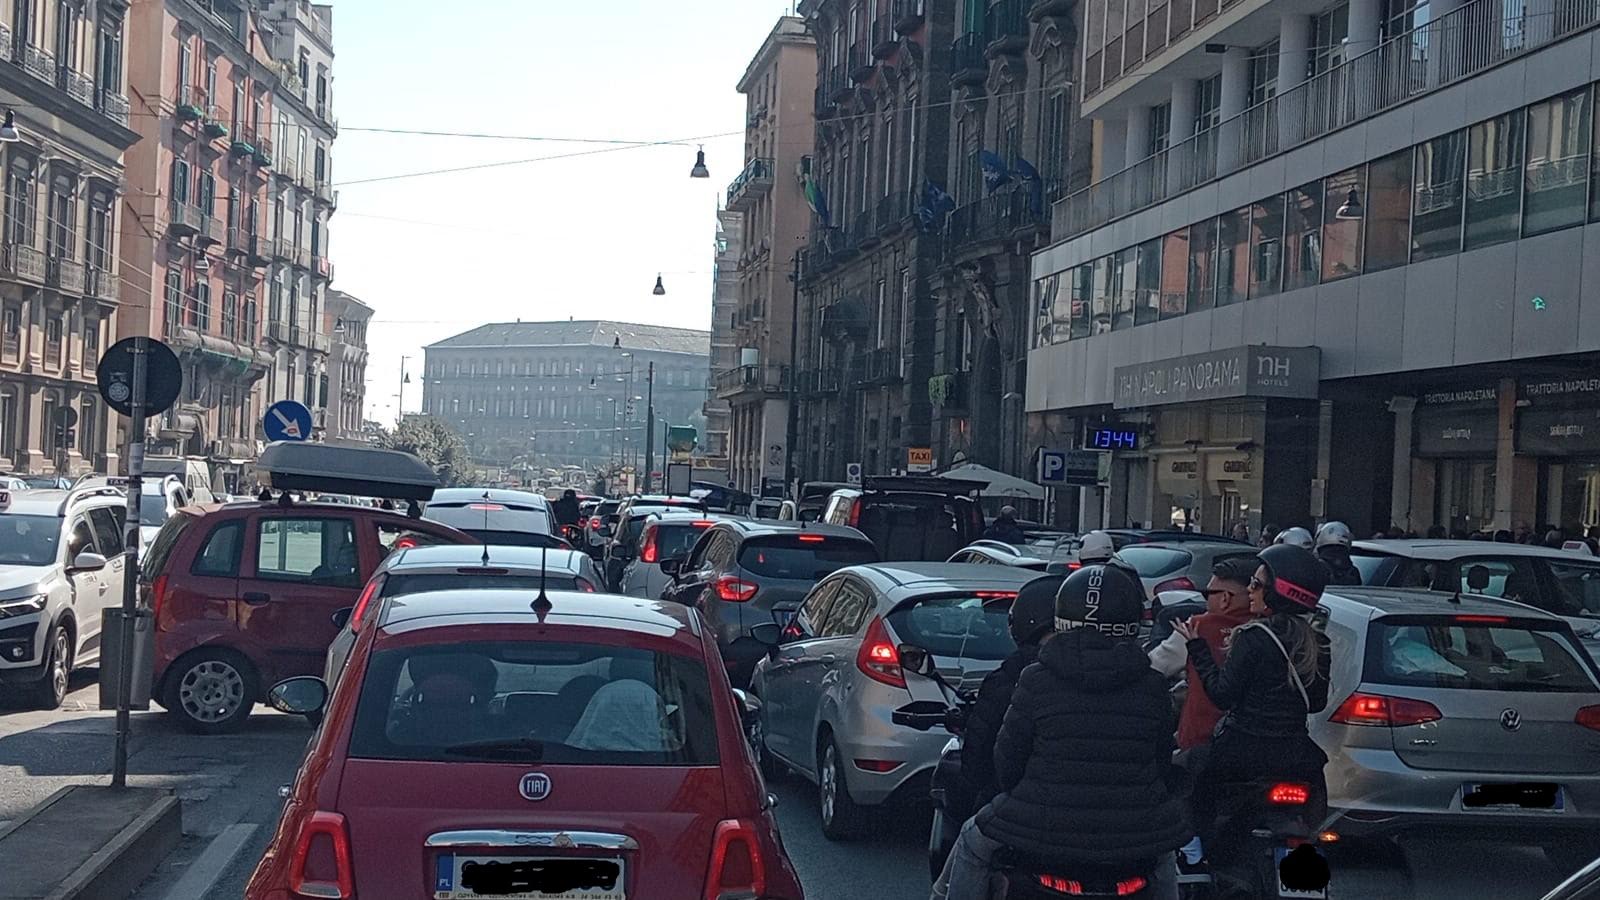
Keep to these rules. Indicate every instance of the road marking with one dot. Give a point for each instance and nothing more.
(201, 875)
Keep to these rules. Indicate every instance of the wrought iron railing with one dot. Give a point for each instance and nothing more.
(967, 59)
(757, 174)
(1007, 24)
(997, 217)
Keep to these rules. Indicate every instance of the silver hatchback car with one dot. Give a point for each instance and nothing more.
(1464, 713)
(829, 688)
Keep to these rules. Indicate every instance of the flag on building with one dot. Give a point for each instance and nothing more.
(818, 202)
(995, 173)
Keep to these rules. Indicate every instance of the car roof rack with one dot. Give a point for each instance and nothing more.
(361, 471)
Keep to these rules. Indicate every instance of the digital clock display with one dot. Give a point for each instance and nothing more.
(1112, 439)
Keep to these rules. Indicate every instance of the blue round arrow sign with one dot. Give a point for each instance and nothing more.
(287, 420)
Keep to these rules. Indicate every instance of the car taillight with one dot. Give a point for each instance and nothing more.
(855, 514)
(1181, 583)
(358, 615)
(405, 542)
(1376, 709)
(1589, 717)
(811, 538)
(1127, 887)
(321, 865)
(158, 594)
(1289, 793)
(995, 595)
(649, 553)
(584, 585)
(733, 590)
(1482, 620)
(594, 523)
(1060, 885)
(878, 765)
(737, 868)
(879, 659)
(1074, 566)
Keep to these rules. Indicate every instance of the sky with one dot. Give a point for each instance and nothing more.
(582, 237)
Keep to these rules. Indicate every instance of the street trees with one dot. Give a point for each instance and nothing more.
(435, 443)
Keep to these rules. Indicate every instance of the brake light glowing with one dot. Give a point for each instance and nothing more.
(734, 590)
(485, 506)
(1375, 709)
(649, 552)
(879, 659)
(584, 585)
(1289, 793)
(1127, 887)
(1483, 620)
(1074, 566)
(405, 542)
(321, 866)
(1181, 583)
(158, 594)
(811, 538)
(1589, 717)
(855, 514)
(995, 595)
(594, 523)
(737, 868)
(1060, 885)
(703, 523)
(359, 614)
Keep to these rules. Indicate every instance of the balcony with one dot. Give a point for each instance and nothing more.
(263, 151)
(1040, 9)
(996, 219)
(844, 317)
(302, 258)
(283, 249)
(189, 108)
(968, 64)
(754, 182)
(209, 229)
(1007, 24)
(64, 275)
(819, 382)
(211, 125)
(113, 106)
(753, 379)
(240, 240)
(6, 44)
(103, 285)
(882, 366)
(78, 86)
(893, 212)
(39, 64)
(947, 392)
(242, 145)
(322, 266)
(860, 62)
(1470, 39)
(839, 83)
(324, 191)
(909, 15)
(884, 43)
(288, 170)
(183, 220)
(824, 105)
(279, 332)
(257, 250)
(24, 262)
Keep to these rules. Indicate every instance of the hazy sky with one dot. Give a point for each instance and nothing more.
(581, 237)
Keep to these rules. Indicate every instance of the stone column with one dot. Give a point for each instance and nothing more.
(1294, 59)
(1505, 459)
(1400, 511)
(1234, 133)
(1181, 129)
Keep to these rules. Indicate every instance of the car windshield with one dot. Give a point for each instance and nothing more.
(1484, 653)
(153, 510)
(28, 540)
(1375, 568)
(804, 557)
(1154, 562)
(421, 583)
(535, 701)
(675, 541)
(963, 625)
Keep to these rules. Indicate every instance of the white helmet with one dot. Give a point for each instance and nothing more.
(1334, 534)
(1295, 537)
(1097, 547)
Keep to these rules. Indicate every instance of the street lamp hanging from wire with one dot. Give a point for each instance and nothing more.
(700, 170)
(660, 289)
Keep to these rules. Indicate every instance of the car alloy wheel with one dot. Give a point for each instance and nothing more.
(211, 691)
(50, 691)
(828, 783)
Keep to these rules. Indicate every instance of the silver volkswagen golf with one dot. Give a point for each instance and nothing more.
(828, 689)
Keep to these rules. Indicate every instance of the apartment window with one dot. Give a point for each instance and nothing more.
(91, 344)
(53, 345)
(67, 16)
(1263, 74)
(1053, 139)
(1388, 212)
(905, 322)
(1207, 103)
(887, 154)
(62, 226)
(304, 71)
(88, 427)
(11, 330)
(864, 168)
(206, 193)
(201, 317)
(100, 232)
(1302, 236)
(1557, 170)
(1100, 300)
(275, 300)
(911, 140)
(1436, 204)
(180, 181)
(1233, 256)
(185, 65)
(247, 324)
(881, 313)
(19, 201)
(1203, 265)
(1328, 34)
(1344, 216)
(47, 409)
(1266, 246)
(108, 53)
(1160, 128)
(211, 81)
(320, 166)
(1147, 283)
(322, 91)
(173, 301)
(230, 315)
(1494, 181)
(1402, 16)
(1174, 274)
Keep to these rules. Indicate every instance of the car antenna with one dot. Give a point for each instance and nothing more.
(541, 603)
(486, 529)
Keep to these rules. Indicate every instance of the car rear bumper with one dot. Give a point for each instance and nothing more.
(866, 732)
(1371, 792)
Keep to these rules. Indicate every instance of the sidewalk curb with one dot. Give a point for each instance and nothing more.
(116, 868)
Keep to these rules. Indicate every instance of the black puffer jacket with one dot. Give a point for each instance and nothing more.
(1085, 757)
(983, 724)
(1254, 686)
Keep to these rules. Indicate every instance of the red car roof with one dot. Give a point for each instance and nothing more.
(414, 613)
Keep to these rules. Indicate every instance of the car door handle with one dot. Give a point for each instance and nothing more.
(255, 597)
(827, 659)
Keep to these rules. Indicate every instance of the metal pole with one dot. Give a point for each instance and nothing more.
(400, 405)
(650, 428)
(791, 427)
(130, 571)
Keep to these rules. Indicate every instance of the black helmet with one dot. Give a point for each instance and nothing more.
(1033, 612)
(1297, 579)
(1105, 598)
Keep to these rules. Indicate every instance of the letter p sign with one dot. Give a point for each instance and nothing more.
(1052, 467)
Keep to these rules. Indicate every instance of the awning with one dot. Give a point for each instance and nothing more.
(997, 484)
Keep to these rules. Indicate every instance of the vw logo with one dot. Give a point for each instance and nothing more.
(1510, 719)
(534, 786)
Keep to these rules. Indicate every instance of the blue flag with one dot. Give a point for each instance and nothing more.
(818, 202)
(995, 174)
(936, 203)
(1030, 177)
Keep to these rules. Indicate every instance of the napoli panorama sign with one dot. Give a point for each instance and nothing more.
(1254, 371)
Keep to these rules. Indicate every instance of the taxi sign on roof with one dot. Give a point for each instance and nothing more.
(362, 471)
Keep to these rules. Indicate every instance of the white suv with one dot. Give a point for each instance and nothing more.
(61, 564)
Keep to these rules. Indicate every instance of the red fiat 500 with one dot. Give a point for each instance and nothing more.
(485, 745)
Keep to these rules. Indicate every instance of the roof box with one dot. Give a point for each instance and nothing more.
(362, 471)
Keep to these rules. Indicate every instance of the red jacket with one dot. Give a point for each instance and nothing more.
(1200, 716)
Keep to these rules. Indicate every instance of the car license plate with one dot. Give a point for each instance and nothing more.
(1286, 891)
(463, 877)
(1515, 795)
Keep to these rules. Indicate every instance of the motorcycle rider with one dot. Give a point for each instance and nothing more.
(566, 509)
(1097, 548)
(1296, 537)
(1227, 607)
(1032, 618)
(1084, 756)
(1005, 528)
(1333, 548)
(1276, 675)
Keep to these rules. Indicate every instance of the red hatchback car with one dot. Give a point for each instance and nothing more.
(484, 744)
(243, 596)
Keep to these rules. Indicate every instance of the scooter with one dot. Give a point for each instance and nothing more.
(1016, 877)
(1266, 844)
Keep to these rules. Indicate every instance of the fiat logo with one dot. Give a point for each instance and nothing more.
(534, 786)
(1510, 720)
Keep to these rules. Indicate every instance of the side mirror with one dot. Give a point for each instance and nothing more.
(767, 634)
(671, 566)
(88, 562)
(915, 659)
(749, 705)
(303, 695)
(341, 617)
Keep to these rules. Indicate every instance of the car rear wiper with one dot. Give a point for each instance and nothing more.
(501, 748)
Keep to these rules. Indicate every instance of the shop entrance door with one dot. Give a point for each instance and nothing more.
(1464, 494)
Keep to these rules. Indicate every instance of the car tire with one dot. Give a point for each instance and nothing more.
(211, 690)
(842, 819)
(50, 691)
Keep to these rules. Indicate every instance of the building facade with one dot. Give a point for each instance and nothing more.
(302, 201)
(568, 393)
(866, 322)
(1348, 267)
(62, 72)
(779, 86)
(198, 186)
(724, 323)
(347, 369)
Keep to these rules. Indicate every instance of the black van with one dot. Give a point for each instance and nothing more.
(911, 517)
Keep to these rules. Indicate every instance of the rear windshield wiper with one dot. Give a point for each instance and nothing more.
(500, 748)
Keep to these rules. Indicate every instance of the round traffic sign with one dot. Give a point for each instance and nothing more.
(287, 420)
(163, 376)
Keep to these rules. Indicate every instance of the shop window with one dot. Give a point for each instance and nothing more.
(1045, 293)
(1233, 256)
(1388, 212)
(1266, 246)
(1082, 291)
(1123, 279)
(1203, 265)
(1556, 176)
(1302, 236)
(1174, 274)
(1344, 214)
(1436, 202)
(1147, 283)
(1494, 180)
(1101, 307)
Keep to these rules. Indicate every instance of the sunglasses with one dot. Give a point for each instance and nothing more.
(1211, 592)
(1257, 584)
